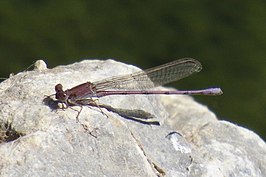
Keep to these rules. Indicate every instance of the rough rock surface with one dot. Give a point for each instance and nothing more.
(190, 141)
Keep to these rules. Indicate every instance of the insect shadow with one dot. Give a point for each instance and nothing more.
(136, 115)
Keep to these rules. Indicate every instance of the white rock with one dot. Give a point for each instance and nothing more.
(189, 142)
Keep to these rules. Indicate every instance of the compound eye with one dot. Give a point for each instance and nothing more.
(58, 88)
(61, 96)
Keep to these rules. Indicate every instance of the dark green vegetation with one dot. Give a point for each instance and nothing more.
(228, 37)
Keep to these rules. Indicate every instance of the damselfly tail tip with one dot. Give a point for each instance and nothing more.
(215, 91)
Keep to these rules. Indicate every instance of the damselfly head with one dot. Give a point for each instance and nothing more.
(60, 94)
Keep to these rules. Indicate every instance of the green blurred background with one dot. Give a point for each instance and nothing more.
(228, 37)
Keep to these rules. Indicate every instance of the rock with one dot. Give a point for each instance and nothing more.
(187, 141)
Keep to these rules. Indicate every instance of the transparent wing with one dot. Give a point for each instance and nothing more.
(152, 77)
